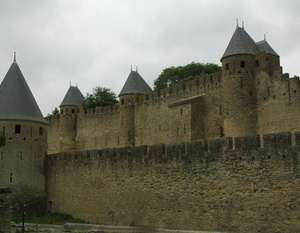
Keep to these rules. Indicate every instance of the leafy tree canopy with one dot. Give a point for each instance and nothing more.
(101, 96)
(55, 111)
(172, 75)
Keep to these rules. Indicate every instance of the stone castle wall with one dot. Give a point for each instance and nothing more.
(22, 161)
(242, 184)
(234, 102)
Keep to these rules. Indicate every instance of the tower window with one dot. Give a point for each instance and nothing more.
(243, 64)
(41, 131)
(257, 63)
(17, 128)
(73, 110)
(227, 66)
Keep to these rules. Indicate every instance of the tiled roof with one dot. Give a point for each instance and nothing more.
(240, 43)
(135, 84)
(264, 46)
(73, 97)
(16, 99)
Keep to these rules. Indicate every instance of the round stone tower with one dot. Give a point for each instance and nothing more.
(23, 141)
(239, 101)
(68, 118)
(134, 86)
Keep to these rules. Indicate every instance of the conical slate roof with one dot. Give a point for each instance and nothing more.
(73, 97)
(135, 84)
(240, 43)
(264, 46)
(16, 99)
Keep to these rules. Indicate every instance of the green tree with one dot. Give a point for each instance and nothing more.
(55, 111)
(101, 96)
(173, 75)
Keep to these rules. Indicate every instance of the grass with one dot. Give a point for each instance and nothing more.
(51, 218)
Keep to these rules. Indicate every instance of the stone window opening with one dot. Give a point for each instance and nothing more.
(221, 131)
(11, 178)
(122, 101)
(41, 131)
(17, 129)
(73, 110)
(227, 66)
(257, 63)
(181, 111)
(243, 64)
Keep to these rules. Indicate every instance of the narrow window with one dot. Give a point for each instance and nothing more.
(221, 131)
(10, 179)
(41, 131)
(122, 101)
(61, 111)
(181, 112)
(73, 110)
(257, 63)
(227, 66)
(17, 128)
(220, 110)
(243, 63)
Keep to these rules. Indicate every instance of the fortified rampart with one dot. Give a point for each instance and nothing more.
(241, 184)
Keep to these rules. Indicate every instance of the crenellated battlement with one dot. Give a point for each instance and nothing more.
(199, 152)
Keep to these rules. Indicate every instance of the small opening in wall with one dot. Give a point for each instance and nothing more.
(18, 129)
(73, 110)
(257, 63)
(243, 64)
(61, 111)
(122, 101)
(295, 91)
(180, 111)
(11, 178)
(227, 66)
(41, 131)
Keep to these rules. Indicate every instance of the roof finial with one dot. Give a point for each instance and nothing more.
(237, 22)
(265, 38)
(243, 24)
(130, 67)
(15, 57)
(70, 84)
(137, 70)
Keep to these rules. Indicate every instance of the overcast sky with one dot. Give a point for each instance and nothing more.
(95, 42)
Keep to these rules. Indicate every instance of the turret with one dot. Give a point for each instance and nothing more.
(242, 63)
(134, 86)
(68, 118)
(239, 102)
(25, 132)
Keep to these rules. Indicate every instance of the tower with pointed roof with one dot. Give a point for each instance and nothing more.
(69, 109)
(242, 63)
(134, 86)
(25, 132)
